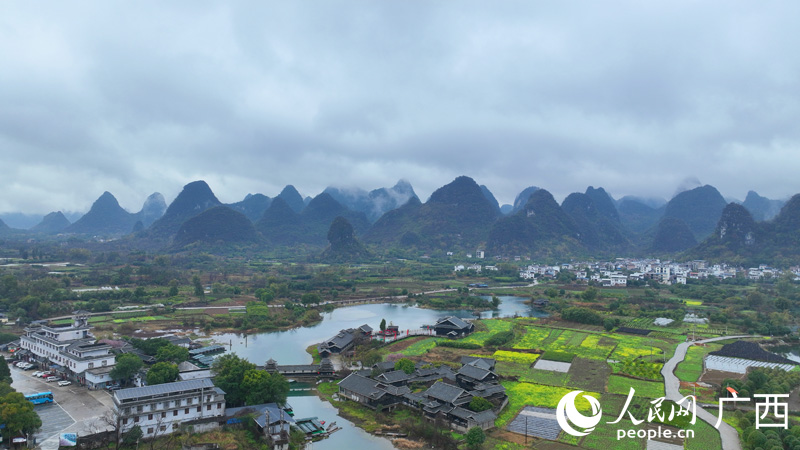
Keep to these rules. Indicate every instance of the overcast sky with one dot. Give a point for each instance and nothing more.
(637, 97)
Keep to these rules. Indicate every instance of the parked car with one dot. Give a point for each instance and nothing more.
(112, 387)
(64, 383)
(37, 373)
(53, 378)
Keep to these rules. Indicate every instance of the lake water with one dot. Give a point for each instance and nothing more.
(787, 351)
(289, 347)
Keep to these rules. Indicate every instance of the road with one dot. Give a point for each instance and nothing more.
(729, 435)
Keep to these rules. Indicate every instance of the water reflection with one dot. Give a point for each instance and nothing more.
(289, 347)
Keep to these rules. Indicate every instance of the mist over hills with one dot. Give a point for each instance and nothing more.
(460, 216)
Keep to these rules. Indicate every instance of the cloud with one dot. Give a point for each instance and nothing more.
(251, 96)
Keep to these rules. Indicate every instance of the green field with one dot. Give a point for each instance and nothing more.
(621, 385)
(591, 345)
(493, 327)
(691, 368)
(420, 348)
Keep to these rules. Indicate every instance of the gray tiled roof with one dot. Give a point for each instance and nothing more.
(361, 385)
(483, 363)
(165, 389)
(455, 321)
(479, 417)
(393, 376)
(444, 392)
(476, 373)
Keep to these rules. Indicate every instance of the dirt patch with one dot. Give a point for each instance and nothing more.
(453, 354)
(717, 377)
(505, 435)
(606, 342)
(794, 400)
(588, 374)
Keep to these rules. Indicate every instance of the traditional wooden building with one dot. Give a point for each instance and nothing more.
(453, 327)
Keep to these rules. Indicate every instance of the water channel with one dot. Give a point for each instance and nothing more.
(289, 347)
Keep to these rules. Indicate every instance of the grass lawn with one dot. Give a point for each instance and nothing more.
(621, 385)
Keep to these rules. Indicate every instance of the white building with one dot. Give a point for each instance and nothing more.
(69, 349)
(161, 409)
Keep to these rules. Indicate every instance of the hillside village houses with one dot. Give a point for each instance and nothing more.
(70, 350)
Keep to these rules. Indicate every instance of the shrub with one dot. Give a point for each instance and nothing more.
(582, 315)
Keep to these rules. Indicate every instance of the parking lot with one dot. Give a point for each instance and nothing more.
(76, 409)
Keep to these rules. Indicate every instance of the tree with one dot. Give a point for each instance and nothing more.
(404, 364)
(173, 288)
(162, 372)
(383, 325)
(495, 302)
(589, 295)
(371, 358)
(229, 373)
(198, 287)
(126, 366)
(479, 404)
(18, 415)
(310, 298)
(263, 387)
(5, 373)
(173, 353)
(5, 389)
(475, 437)
(133, 436)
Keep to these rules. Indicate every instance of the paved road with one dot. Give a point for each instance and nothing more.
(729, 435)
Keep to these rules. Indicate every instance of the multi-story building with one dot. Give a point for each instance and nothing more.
(161, 409)
(70, 349)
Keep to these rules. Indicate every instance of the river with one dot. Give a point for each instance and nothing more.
(289, 347)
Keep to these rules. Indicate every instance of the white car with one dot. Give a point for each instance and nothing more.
(52, 379)
(64, 383)
(37, 374)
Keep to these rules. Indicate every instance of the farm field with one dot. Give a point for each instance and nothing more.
(493, 327)
(621, 385)
(691, 367)
(528, 394)
(593, 345)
